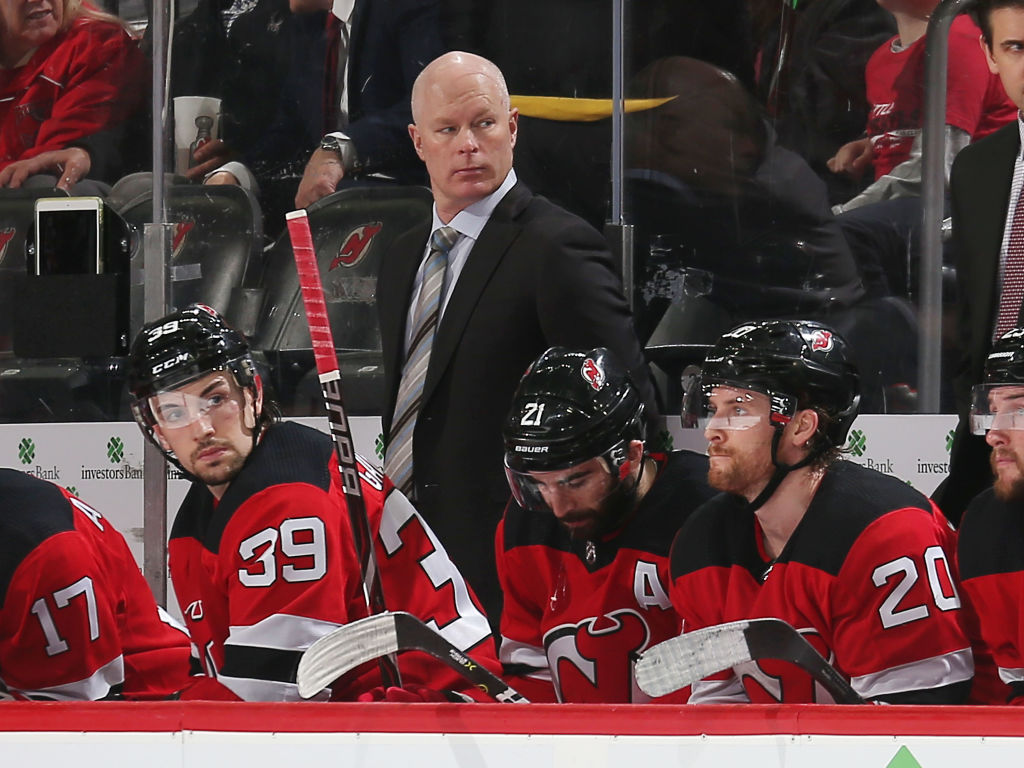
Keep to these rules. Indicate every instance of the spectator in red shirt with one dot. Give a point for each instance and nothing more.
(70, 77)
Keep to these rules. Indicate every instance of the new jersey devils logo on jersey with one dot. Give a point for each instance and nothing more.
(356, 245)
(6, 235)
(591, 660)
(770, 680)
(592, 373)
(822, 340)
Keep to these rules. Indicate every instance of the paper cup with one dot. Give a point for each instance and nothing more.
(196, 121)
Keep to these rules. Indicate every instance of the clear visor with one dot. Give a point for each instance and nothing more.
(997, 406)
(584, 485)
(175, 410)
(719, 406)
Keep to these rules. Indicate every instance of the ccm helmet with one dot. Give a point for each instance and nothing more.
(180, 348)
(1004, 367)
(797, 363)
(570, 407)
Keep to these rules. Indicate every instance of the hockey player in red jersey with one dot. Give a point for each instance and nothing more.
(77, 620)
(857, 561)
(991, 540)
(582, 550)
(261, 551)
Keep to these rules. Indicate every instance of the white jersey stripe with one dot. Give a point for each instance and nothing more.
(92, 688)
(251, 689)
(281, 631)
(1011, 676)
(728, 691)
(934, 672)
(514, 652)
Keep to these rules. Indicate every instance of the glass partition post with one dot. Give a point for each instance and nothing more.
(932, 197)
(617, 232)
(154, 470)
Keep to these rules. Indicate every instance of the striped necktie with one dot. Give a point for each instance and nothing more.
(1012, 289)
(398, 461)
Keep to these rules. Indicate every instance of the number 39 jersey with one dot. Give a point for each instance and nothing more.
(575, 612)
(77, 619)
(271, 567)
(866, 577)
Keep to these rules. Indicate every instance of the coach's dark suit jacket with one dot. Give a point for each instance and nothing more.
(980, 194)
(538, 276)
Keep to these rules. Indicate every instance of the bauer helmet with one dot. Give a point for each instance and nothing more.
(570, 407)
(1004, 370)
(796, 363)
(180, 348)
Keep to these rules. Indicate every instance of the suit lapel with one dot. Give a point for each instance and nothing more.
(497, 236)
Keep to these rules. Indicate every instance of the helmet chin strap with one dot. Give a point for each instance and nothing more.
(781, 470)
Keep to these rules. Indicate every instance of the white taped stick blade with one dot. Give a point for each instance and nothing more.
(683, 660)
(344, 649)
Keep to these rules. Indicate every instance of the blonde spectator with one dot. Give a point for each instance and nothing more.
(70, 77)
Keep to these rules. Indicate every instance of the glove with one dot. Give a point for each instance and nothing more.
(410, 693)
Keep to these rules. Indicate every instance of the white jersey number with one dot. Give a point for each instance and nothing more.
(302, 539)
(890, 612)
(55, 644)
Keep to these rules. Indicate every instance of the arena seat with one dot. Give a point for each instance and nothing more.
(351, 230)
(216, 242)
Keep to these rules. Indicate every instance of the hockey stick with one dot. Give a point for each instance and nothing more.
(683, 660)
(353, 644)
(330, 383)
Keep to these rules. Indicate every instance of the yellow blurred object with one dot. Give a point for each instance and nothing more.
(569, 109)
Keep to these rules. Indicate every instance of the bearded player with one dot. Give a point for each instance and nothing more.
(991, 543)
(582, 550)
(857, 561)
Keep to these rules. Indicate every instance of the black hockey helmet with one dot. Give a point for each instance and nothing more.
(179, 348)
(797, 363)
(1005, 363)
(570, 407)
(1004, 367)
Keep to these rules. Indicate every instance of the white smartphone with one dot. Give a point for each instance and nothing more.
(69, 233)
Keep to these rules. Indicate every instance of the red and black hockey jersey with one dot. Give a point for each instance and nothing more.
(866, 577)
(271, 568)
(990, 552)
(576, 611)
(77, 619)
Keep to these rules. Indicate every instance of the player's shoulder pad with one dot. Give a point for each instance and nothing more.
(850, 498)
(991, 537)
(289, 453)
(523, 528)
(679, 488)
(719, 533)
(31, 511)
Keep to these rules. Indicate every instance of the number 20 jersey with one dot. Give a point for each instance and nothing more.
(272, 567)
(866, 577)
